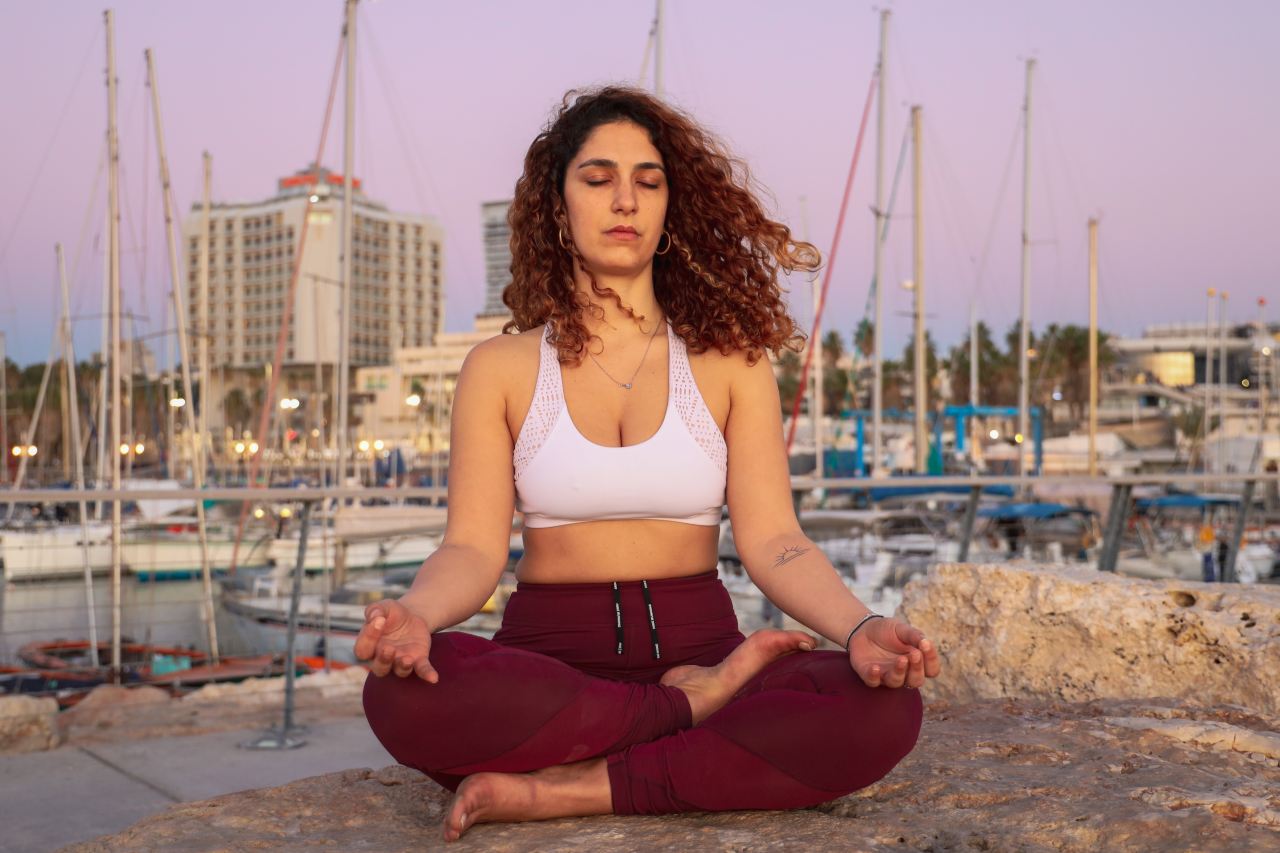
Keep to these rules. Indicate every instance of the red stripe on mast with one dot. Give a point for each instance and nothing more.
(831, 265)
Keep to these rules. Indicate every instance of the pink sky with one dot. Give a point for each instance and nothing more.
(1160, 117)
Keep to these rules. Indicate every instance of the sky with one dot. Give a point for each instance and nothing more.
(1160, 117)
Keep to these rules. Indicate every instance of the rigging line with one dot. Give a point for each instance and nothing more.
(392, 98)
(48, 149)
(888, 212)
(1001, 194)
(84, 228)
(1056, 135)
(935, 190)
(648, 50)
(268, 407)
(831, 261)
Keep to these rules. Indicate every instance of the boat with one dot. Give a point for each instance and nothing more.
(138, 660)
(41, 551)
(169, 549)
(261, 613)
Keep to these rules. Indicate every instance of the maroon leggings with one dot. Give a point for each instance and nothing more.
(573, 675)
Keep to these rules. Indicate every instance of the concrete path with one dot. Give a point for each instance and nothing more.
(76, 793)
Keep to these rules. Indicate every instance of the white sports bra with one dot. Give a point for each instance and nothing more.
(677, 474)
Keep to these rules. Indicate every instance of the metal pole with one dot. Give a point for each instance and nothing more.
(1237, 535)
(1210, 358)
(1093, 347)
(970, 514)
(286, 736)
(348, 205)
(184, 352)
(1116, 516)
(877, 383)
(202, 319)
(657, 49)
(1024, 322)
(1222, 376)
(4, 410)
(69, 359)
(974, 396)
(921, 397)
(113, 254)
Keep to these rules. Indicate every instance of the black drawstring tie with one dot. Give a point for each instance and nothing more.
(653, 625)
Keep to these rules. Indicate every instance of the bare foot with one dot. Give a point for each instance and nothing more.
(570, 790)
(709, 688)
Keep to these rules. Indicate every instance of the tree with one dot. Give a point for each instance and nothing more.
(238, 411)
(788, 380)
(835, 381)
(864, 337)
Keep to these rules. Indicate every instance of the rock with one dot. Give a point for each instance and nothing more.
(28, 724)
(114, 713)
(1077, 635)
(995, 775)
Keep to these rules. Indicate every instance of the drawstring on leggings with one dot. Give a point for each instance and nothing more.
(653, 625)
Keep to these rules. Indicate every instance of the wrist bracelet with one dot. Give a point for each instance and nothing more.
(864, 620)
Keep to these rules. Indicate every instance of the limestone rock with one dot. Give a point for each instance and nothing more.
(1077, 634)
(28, 723)
(111, 712)
(995, 775)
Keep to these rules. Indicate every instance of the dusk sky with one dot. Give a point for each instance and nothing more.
(1160, 117)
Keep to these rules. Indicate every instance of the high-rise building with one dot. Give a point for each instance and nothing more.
(397, 288)
(497, 256)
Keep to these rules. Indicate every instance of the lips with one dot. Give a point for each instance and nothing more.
(623, 232)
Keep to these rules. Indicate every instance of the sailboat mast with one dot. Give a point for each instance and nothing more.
(877, 386)
(184, 352)
(348, 217)
(113, 288)
(973, 355)
(202, 317)
(4, 408)
(1093, 347)
(921, 396)
(657, 49)
(73, 397)
(1024, 323)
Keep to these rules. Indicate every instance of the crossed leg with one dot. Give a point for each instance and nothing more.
(801, 729)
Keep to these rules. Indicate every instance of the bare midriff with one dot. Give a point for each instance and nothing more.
(604, 551)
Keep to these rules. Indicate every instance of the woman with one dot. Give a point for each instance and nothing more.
(630, 405)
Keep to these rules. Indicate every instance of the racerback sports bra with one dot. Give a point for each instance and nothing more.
(677, 474)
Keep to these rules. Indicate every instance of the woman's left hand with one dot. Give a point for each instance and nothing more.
(890, 653)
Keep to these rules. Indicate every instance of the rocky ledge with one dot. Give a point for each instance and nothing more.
(1076, 712)
(996, 775)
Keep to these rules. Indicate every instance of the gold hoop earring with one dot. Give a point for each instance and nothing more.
(564, 245)
(669, 243)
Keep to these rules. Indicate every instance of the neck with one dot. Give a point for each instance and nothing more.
(635, 291)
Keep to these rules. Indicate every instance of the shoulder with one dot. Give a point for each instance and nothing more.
(498, 357)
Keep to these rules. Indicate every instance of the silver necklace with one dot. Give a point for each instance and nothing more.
(626, 386)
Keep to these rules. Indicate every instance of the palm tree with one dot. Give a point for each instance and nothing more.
(237, 408)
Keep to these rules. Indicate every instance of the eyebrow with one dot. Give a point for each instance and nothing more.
(612, 164)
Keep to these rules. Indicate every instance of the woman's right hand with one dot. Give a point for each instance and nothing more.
(394, 638)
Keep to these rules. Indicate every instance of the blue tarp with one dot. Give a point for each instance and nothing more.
(1005, 512)
(1184, 501)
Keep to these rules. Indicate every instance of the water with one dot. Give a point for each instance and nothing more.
(165, 613)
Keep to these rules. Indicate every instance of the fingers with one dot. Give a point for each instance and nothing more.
(370, 634)
(424, 670)
(932, 663)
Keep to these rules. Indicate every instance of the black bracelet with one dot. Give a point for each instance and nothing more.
(861, 622)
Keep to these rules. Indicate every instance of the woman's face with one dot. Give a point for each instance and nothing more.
(615, 190)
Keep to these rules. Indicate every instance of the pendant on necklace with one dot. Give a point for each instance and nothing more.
(626, 387)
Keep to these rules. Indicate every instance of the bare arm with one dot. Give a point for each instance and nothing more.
(780, 559)
(456, 580)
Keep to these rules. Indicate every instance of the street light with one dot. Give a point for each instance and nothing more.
(124, 449)
(995, 434)
(177, 402)
(16, 450)
(378, 444)
(413, 400)
(239, 448)
(139, 448)
(290, 403)
(363, 445)
(32, 450)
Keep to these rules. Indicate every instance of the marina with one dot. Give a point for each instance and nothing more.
(1006, 415)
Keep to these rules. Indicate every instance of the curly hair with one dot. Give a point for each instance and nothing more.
(719, 288)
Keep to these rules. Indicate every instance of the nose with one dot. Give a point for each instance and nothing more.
(624, 198)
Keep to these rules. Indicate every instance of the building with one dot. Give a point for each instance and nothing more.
(406, 403)
(497, 256)
(397, 285)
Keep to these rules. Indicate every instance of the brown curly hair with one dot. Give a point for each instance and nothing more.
(719, 288)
